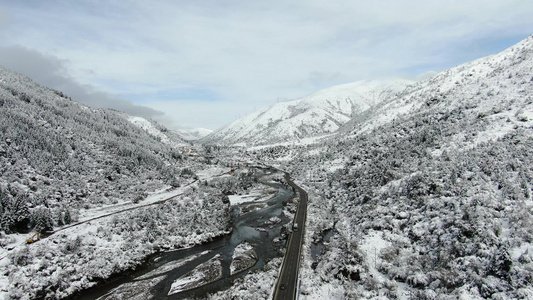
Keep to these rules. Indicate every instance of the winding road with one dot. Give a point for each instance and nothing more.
(287, 285)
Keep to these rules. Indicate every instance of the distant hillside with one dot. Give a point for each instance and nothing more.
(194, 134)
(320, 113)
(57, 155)
(156, 130)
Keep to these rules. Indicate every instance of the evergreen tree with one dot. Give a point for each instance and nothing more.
(42, 219)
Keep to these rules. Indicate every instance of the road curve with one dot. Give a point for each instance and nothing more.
(287, 285)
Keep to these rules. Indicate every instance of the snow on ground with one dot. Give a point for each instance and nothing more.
(244, 257)
(503, 123)
(201, 275)
(390, 111)
(17, 242)
(9, 243)
(327, 291)
(240, 199)
(258, 194)
(255, 195)
(87, 228)
(140, 287)
(139, 290)
(172, 265)
(212, 172)
(335, 165)
(255, 285)
(372, 245)
(499, 125)
(522, 250)
(156, 196)
(163, 194)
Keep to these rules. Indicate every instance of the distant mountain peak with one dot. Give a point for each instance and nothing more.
(194, 133)
(320, 113)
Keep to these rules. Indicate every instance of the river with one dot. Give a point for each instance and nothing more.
(153, 280)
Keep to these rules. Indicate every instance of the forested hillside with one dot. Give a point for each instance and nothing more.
(430, 195)
(57, 155)
(123, 177)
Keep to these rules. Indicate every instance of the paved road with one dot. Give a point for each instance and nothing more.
(287, 285)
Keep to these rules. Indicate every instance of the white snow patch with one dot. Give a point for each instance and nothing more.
(372, 245)
(255, 195)
(152, 130)
(201, 275)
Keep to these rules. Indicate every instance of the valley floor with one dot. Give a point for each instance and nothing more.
(110, 239)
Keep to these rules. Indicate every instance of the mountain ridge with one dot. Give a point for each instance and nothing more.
(57, 151)
(319, 113)
(430, 194)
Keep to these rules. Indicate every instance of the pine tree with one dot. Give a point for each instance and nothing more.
(42, 219)
(7, 221)
(21, 213)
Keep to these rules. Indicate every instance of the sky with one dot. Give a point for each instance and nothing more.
(191, 64)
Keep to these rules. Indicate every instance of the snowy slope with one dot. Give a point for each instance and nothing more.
(432, 199)
(62, 162)
(51, 143)
(485, 86)
(164, 135)
(322, 112)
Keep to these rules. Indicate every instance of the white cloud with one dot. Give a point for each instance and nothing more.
(51, 72)
(188, 114)
(260, 50)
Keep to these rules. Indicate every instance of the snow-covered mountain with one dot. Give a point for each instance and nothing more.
(320, 113)
(486, 86)
(429, 195)
(194, 134)
(58, 154)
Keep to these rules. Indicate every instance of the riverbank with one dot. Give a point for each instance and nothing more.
(79, 258)
(255, 228)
